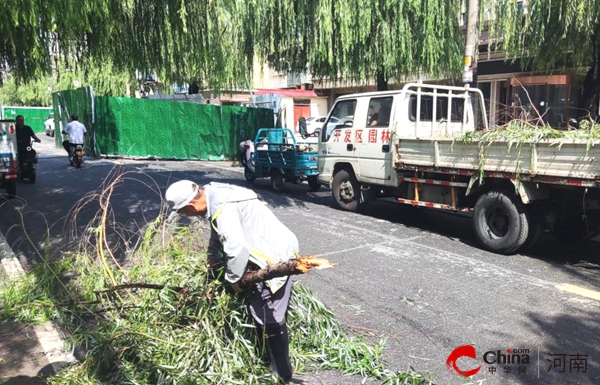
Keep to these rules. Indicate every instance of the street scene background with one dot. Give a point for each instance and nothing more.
(414, 277)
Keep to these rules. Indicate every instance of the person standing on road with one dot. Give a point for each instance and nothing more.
(250, 236)
(76, 132)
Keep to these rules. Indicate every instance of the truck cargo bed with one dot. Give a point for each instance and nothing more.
(551, 158)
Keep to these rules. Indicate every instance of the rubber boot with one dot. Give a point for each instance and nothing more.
(278, 349)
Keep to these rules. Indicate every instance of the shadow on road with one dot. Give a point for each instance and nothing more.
(45, 209)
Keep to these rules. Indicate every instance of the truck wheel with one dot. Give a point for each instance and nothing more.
(536, 225)
(346, 191)
(313, 183)
(11, 189)
(277, 181)
(500, 222)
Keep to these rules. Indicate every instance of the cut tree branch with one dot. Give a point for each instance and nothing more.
(295, 266)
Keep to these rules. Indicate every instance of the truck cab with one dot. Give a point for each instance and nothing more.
(359, 134)
(9, 164)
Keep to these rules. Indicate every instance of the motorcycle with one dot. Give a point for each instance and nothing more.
(27, 164)
(75, 152)
(76, 157)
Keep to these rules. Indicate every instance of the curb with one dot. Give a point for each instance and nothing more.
(48, 334)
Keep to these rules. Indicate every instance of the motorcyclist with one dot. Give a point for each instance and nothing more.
(76, 132)
(24, 136)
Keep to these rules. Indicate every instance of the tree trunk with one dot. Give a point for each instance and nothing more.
(292, 267)
(588, 99)
(382, 84)
(193, 88)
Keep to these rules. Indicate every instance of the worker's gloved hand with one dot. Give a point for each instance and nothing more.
(215, 271)
(239, 287)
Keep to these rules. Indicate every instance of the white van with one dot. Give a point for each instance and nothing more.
(9, 164)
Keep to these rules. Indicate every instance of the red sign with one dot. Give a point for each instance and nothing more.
(385, 136)
(336, 135)
(347, 138)
(358, 137)
(372, 136)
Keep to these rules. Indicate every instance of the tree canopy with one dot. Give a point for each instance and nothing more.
(214, 42)
(547, 34)
(38, 91)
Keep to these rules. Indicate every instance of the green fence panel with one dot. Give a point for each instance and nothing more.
(158, 134)
(34, 116)
(106, 128)
(210, 132)
(81, 102)
(162, 128)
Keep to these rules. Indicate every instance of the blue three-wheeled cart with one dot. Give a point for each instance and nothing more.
(279, 156)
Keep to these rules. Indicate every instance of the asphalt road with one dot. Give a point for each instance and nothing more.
(413, 276)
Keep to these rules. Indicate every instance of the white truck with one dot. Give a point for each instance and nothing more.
(402, 144)
(9, 165)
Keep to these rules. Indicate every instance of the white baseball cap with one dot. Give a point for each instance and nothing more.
(179, 195)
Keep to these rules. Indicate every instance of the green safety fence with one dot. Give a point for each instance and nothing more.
(81, 102)
(35, 117)
(163, 128)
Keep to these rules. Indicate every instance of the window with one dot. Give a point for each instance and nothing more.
(341, 116)
(380, 110)
(426, 113)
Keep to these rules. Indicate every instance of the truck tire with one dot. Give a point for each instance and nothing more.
(345, 191)
(500, 222)
(536, 225)
(277, 181)
(313, 183)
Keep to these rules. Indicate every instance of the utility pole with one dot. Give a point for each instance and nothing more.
(472, 44)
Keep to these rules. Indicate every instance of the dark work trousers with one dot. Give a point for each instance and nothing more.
(268, 308)
(269, 312)
(66, 146)
(70, 147)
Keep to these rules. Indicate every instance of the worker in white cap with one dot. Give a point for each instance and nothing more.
(250, 236)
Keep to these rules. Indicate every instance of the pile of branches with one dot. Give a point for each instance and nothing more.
(157, 318)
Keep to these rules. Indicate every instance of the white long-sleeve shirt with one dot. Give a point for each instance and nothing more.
(248, 231)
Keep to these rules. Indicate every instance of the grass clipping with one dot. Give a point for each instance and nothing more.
(202, 335)
(518, 132)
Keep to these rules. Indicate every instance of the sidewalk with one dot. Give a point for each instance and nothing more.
(27, 354)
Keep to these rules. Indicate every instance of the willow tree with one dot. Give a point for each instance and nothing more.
(552, 35)
(214, 43)
(358, 39)
(175, 39)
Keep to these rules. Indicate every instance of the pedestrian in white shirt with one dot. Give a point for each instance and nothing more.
(76, 132)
